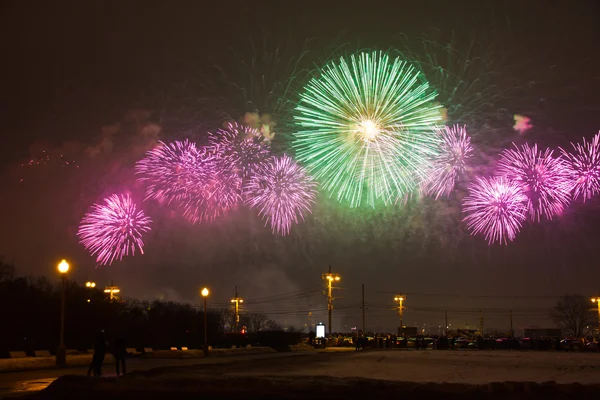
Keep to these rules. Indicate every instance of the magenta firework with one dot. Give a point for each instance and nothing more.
(114, 229)
(455, 148)
(584, 168)
(240, 147)
(282, 191)
(171, 171)
(543, 178)
(495, 207)
(220, 193)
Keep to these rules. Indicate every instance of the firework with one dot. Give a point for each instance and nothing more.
(171, 171)
(219, 193)
(366, 128)
(239, 147)
(543, 178)
(114, 229)
(455, 149)
(282, 191)
(495, 207)
(584, 168)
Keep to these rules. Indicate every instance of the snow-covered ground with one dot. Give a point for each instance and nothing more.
(475, 367)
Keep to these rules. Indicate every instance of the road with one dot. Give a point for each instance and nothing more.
(12, 383)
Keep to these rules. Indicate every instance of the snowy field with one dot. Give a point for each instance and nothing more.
(475, 367)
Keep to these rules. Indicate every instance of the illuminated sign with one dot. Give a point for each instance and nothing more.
(320, 331)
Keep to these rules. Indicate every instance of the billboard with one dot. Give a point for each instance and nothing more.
(320, 331)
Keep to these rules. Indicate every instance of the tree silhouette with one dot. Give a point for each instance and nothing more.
(572, 313)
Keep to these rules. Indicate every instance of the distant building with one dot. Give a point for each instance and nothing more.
(542, 332)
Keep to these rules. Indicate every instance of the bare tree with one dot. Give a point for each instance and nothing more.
(572, 313)
(257, 322)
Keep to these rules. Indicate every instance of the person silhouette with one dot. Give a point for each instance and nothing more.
(99, 354)
(119, 352)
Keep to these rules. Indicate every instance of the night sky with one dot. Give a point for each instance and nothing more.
(100, 81)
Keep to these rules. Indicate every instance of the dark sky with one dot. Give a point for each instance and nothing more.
(71, 68)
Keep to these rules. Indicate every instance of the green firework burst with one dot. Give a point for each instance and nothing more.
(366, 128)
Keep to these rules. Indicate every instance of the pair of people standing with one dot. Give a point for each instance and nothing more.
(101, 347)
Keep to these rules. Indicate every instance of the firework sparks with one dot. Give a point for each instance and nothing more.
(240, 147)
(366, 128)
(584, 168)
(544, 179)
(495, 207)
(282, 191)
(219, 193)
(171, 171)
(114, 229)
(455, 149)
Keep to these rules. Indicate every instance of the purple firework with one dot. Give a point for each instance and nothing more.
(282, 191)
(114, 229)
(496, 208)
(220, 193)
(455, 149)
(584, 168)
(240, 147)
(544, 179)
(171, 171)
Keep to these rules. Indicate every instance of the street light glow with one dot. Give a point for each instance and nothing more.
(63, 267)
(204, 292)
(595, 299)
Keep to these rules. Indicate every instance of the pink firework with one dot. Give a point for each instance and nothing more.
(446, 168)
(495, 207)
(584, 168)
(543, 178)
(240, 147)
(114, 229)
(220, 193)
(171, 171)
(282, 191)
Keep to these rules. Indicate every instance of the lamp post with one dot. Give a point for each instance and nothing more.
(400, 300)
(61, 352)
(597, 301)
(330, 277)
(90, 285)
(204, 293)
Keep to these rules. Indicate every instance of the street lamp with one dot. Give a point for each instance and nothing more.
(61, 352)
(204, 294)
(400, 300)
(597, 301)
(330, 277)
(90, 285)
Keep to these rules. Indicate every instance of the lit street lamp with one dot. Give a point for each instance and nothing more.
(400, 300)
(90, 285)
(330, 277)
(204, 293)
(61, 352)
(597, 301)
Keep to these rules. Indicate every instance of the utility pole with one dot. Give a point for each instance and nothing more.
(112, 291)
(481, 323)
(330, 277)
(236, 301)
(363, 308)
(446, 318)
(512, 332)
(400, 300)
